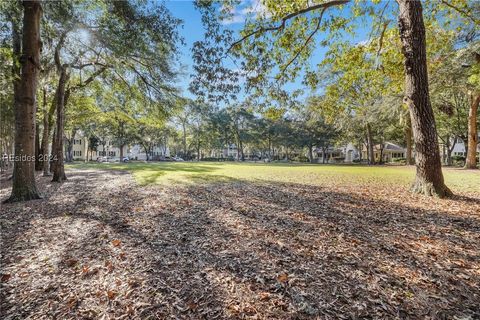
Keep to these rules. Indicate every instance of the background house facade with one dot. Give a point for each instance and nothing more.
(80, 151)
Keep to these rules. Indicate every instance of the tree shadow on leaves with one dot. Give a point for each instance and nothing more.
(227, 248)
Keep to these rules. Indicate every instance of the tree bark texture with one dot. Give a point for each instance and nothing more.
(23, 185)
(429, 176)
(471, 160)
(410, 160)
(58, 158)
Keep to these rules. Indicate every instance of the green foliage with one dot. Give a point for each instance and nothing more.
(301, 159)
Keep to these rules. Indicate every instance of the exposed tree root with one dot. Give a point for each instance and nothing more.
(25, 196)
(429, 189)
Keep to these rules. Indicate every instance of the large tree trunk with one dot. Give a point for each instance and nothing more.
(310, 153)
(58, 160)
(121, 153)
(408, 137)
(471, 160)
(23, 185)
(429, 176)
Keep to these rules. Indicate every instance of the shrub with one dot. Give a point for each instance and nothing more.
(399, 160)
(458, 160)
(301, 159)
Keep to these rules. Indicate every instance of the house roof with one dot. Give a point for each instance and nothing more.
(393, 147)
(329, 149)
(388, 146)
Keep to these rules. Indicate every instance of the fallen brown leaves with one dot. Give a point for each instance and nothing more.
(238, 250)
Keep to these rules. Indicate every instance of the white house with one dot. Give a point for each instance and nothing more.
(459, 148)
(137, 152)
(80, 150)
(351, 153)
(386, 152)
(230, 151)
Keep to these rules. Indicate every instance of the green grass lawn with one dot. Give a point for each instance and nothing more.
(316, 174)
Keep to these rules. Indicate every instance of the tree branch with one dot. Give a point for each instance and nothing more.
(466, 14)
(89, 79)
(58, 47)
(289, 16)
(305, 43)
(380, 41)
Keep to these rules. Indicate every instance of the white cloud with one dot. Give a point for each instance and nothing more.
(363, 42)
(246, 9)
(236, 18)
(256, 7)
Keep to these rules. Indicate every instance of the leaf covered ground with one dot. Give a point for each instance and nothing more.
(102, 246)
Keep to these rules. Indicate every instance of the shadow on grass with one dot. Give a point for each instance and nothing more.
(165, 166)
(229, 248)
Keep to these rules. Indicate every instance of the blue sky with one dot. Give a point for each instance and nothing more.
(192, 30)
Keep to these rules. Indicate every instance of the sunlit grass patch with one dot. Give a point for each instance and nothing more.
(316, 174)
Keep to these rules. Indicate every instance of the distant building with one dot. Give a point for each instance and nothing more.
(158, 152)
(349, 153)
(80, 151)
(458, 149)
(386, 152)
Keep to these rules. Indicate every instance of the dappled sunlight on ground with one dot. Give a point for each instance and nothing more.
(361, 176)
(100, 245)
